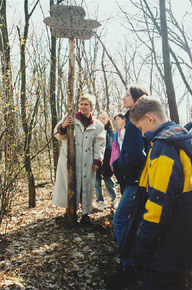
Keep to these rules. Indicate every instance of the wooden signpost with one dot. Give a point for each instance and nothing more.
(69, 22)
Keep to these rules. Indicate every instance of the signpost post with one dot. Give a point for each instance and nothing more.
(69, 22)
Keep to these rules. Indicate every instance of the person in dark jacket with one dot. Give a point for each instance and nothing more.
(105, 171)
(127, 168)
(164, 236)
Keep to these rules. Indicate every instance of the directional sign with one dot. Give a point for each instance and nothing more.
(77, 33)
(68, 11)
(69, 22)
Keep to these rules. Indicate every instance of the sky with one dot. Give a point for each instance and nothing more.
(105, 11)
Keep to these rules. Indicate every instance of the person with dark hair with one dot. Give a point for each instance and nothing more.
(105, 171)
(127, 168)
(163, 237)
(118, 141)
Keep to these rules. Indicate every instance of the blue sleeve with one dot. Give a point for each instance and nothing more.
(132, 155)
(188, 126)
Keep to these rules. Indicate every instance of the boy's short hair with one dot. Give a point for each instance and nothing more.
(90, 98)
(144, 105)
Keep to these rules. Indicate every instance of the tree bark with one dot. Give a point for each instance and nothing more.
(26, 127)
(71, 211)
(105, 82)
(53, 98)
(9, 111)
(9, 127)
(167, 65)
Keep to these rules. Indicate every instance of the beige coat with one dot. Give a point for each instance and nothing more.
(90, 146)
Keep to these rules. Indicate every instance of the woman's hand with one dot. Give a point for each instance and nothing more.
(95, 167)
(67, 122)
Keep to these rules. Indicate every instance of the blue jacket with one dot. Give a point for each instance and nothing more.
(164, 236)
(128, 165)
(188, 126)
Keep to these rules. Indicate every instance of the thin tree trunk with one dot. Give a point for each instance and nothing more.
(9, 112)
(53, 98)
(167, 65)
(9, 127)
(80, 68)
(105, 81)
(26, 127)
(71, 211)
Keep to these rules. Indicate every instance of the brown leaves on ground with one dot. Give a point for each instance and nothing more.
(39, 252)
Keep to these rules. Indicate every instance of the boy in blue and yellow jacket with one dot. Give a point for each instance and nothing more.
(163, 241)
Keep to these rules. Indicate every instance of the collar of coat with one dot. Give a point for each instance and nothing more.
(79, 117)
(126, 116)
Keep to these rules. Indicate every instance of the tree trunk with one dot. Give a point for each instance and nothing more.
(53, 98)
(167, 66)
(9, 127)
(26, 127)
(71, 211)
(9, 111)
(105, 82)
(30, 177)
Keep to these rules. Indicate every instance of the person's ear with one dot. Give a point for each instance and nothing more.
(149, 117)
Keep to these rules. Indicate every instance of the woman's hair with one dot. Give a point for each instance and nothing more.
(120, 116)
(109, 123)
(90, 98)
(145, 105)
(137, 91)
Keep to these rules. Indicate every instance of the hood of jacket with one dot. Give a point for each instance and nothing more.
(173, 134)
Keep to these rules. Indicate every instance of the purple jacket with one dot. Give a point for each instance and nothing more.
(115, 147)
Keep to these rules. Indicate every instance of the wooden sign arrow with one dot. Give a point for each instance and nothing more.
(77, 33)
(70, 22)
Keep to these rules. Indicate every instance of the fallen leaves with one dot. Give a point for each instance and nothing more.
(40, 253)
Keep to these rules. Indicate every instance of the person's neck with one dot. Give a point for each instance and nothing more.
(160, 122)
(86, 116)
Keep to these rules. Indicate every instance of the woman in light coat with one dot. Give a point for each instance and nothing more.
(90, 147)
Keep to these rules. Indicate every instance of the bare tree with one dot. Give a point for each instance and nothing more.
(167, 67)
(53, 97)
(8, 141)
(26, 123)
(144, 26)
(62, 79)
(105, 81)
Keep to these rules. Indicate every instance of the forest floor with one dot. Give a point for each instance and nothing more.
(37, 251)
